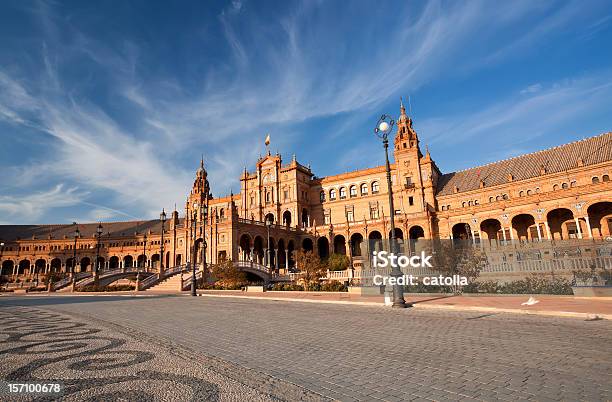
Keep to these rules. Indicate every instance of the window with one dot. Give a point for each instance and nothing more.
(349, 216)
(528, 192)
(573, 183)
(521, 193)
(327, 219)
(505, 196)
(409, 182)
(411, 200)
(342, 193)
(353, 191)
(398, 212)
(595, 180)
(463, 204)
(364, 189)
(322, 196)
(332, 194)
(285, 194)
(375, 187)
(374, 213)
(443, 207)
(564, 186)
(605, 178)
(498, 198)
(268, 197)
(490, 199)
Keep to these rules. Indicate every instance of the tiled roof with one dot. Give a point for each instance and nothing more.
(112, 229)
(592, 151)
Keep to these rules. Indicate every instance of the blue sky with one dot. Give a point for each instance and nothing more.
(105, 108)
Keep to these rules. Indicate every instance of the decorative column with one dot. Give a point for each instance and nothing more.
(588, 224)
(578, 227)
(539, 231)
(548, 234)
(276, 258)
(287, 259)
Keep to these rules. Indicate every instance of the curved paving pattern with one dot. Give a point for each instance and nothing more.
(98, 363)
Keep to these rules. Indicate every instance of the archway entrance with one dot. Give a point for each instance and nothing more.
(323, 247)
(339, 244)
(356, 240)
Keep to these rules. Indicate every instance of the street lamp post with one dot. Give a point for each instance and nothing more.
(383, 128)
(268, 256)
(162, 218)
(77, 233)
(193, 250)
(204, 244)
(97, 264)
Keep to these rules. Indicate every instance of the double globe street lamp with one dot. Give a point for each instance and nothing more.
(77, 234)
(384, 127)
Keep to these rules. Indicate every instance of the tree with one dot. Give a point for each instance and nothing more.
(309, 264)
(227, 274)
(338, 262)
(458, 257)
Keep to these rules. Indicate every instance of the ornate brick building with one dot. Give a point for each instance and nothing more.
(561, 193)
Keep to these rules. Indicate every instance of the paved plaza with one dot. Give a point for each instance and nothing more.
(183, 348)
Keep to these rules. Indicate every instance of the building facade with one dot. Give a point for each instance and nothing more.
(558, 194)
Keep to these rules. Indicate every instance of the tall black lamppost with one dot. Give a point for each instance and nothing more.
(204, 215)
(383, 129)
(144, 252)
(268, 255)
(77, 234)
(193, 249)
(162, 218)
(97, 264)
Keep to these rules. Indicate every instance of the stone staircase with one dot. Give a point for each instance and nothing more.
(171, 284)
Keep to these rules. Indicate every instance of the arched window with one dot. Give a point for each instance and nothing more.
(605, 178)
(521, 193)
(342, 193)
(595, 180)
(537, 190)
(505, 196)
(322, 196)
(375, 187)
(564, 186)
(528, 192)
(268, 196)
(555, 187)
(490, 199)
(573, 183)
(470, 203)
(463, 204)
(353, 191)
(332, 194)
(221, 213)
(364, 189)
(498, 198)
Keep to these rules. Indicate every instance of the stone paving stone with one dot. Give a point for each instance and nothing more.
(363, 352)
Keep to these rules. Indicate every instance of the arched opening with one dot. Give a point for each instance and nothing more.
(323, 247)
(490, 228)
(375, 240)
(155, 261)
(600, 218)
(339, 244)
(24, 267)
(270, 254)
(305, 218)
(128, 261)
(416, 232)
(282, 256)
(167, 262)
(269, 217)
(70, 265)
(398, 234)
(141, 261)
(56, 265)
(245, 247)
(7, 267)
(291, 249)
(39, 266)
(307, 245)
(356, 240)
(521, 225)
(113, 262)
(85, 264)
(561, 224)
(287, 218)
(461, 231)
(258, 250)
(179, 260)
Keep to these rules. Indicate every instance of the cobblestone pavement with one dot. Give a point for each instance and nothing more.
(102, 362)
(368, 353)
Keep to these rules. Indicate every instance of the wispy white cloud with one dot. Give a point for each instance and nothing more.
(28, 208)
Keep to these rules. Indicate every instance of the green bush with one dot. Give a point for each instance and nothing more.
(287, 287)
(334, 286)
(337, 262)
(111, 288)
